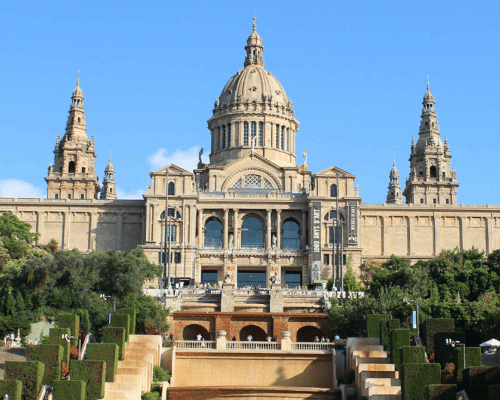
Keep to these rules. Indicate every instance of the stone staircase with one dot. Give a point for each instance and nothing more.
(375, 377)
(135, 372)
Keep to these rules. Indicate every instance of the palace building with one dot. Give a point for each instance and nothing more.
(252, 215)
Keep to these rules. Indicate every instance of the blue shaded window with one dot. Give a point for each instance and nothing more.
(209, 276)
(171, 213)
(213, 234)
(171, 188)
(251, 278)
(293, 278)
(290, 237)
(171, 232)
(261, 134)
(252, 233)
(245, 134)
(333, 190)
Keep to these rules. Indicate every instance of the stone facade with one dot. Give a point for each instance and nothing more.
(252, 208)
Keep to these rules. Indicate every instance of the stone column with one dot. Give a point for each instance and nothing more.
(303, 230)
(437, 231)
(383, 230)
(462, 233)
(268, 229)
(200, 228)
(286, 341)
(221, 340)
(93, 227)
(119, 231)
(66, 216)
(489, 234)
(154, 219)
(148, 220)
(226, 226)
(235, 228)
(40, 226)
(192, 224)
(278, 228)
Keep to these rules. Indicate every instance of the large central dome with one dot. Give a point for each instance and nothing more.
(253, 110)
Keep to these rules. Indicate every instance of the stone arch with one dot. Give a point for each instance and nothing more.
(191, 331)
(309, 333)
(258, 334)
(232, 179)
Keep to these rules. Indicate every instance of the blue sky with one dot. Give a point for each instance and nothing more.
(150, 72)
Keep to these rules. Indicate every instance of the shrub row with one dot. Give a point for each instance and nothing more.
(69, 390)
(93, 374)
(385, 331)
(399, 338)
(116, 336)
(55, 338)
(433, 326)
(30, 373)
(12, 387)
(415, 378)
(107, 352)
(373, 324)
(51, 355)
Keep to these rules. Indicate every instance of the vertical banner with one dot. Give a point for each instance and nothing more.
(316, 241)
(352, 222)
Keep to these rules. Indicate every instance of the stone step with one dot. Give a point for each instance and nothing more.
(137, 372)
(135, 379)
(146, 367)
(362, 348)
(122, 395)
(366, 360)
(382, 382)
(379, 374)
(383, 390)
(370, 354)
(371, 368)
(120, 386)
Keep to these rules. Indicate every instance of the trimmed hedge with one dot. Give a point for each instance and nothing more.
(477, 379)
(55, 338)
(132, 313)
(116, 336)
(12, 387)
(433, 326)
(69, 390)
(91, 372)
(444, 352)
(415, 378)
(494, 392)
(30, 373)
(71, 321)
(107, 352)
(373, 324)
(386, 326)
(473, 358)
(441, 392)
(412, 355)
(121, 321)
(51, 355)
(399, 338)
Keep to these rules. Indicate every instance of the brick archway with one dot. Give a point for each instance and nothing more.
(191, 331)
(309, 333)
(258, 334)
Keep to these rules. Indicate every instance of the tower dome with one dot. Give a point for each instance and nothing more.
(253, 112)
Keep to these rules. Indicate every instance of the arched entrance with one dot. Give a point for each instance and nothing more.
(191, 331)
(309, 333)
(258, 334)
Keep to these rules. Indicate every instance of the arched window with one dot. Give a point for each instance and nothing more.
(171, 213)
(245, 134)
(213, 234)
(433, 172)
(171, 188)
(277, 136)
(333, 190)
(332, 214)
(282, 138)
(252, 181)
(83, 170)
(334, 232)
(71, 167)
(287, 139)
(79, 120)
(228, 135)
(261, 134)
(254, 131)
(252, 233)
(290, 237)
(223, 137)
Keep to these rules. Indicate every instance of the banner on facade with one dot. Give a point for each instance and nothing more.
(352, 227)
(316, 241)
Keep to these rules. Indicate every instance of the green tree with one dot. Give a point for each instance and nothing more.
(15, 235)
(351, 283)
(151, 316)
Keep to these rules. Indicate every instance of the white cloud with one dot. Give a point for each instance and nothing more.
(134, 195)
(187, 159)
(15, 188)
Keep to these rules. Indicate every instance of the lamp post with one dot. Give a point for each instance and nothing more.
(454, 343)
(407, 301)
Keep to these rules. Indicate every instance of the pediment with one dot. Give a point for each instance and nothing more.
(333, 171)
(248, 161)
(172, 170)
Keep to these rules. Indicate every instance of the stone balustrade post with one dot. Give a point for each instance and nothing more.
(286, 341)
(221, 340)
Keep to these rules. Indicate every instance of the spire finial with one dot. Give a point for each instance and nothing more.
(428, 89)
(78, 81)
(254, 23)
(394, 160)
(109, 155)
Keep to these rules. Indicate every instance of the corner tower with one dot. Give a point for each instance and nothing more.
(73, 174)
(253, 114)
(431, 180)
(108, 184)
(394, 195)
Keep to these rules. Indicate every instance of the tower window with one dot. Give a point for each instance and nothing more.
(69, 196)
(171, 188)
(421, 201)
(282, 138)
(79, 120)
(277, 136)
(83, 170)
(223, 137)
(434, 201)
(444, 175)
(447, 201)
(228, 135)
(254, 130)
(261, 134)
(56, 196)
(326, 259)
(433, 172)
(245, 134)
(71, 167)
(82, 196)
(333, 190)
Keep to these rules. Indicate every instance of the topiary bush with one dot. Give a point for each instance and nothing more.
(71, 321)
(399, 338)
(412, 355)
(441, 392)
(443, 353)
(433, 326)
(55, 338)
(121, 321)
(91, 372)
(116, 336)
(69, 390)
(30, 373)
(12, 387)
(473, 358)
(373, 324)
(107, 352)
(415, 378)
(386, 326)
(160, 375)
(51, 355)
(477, 379)
(132, 313)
